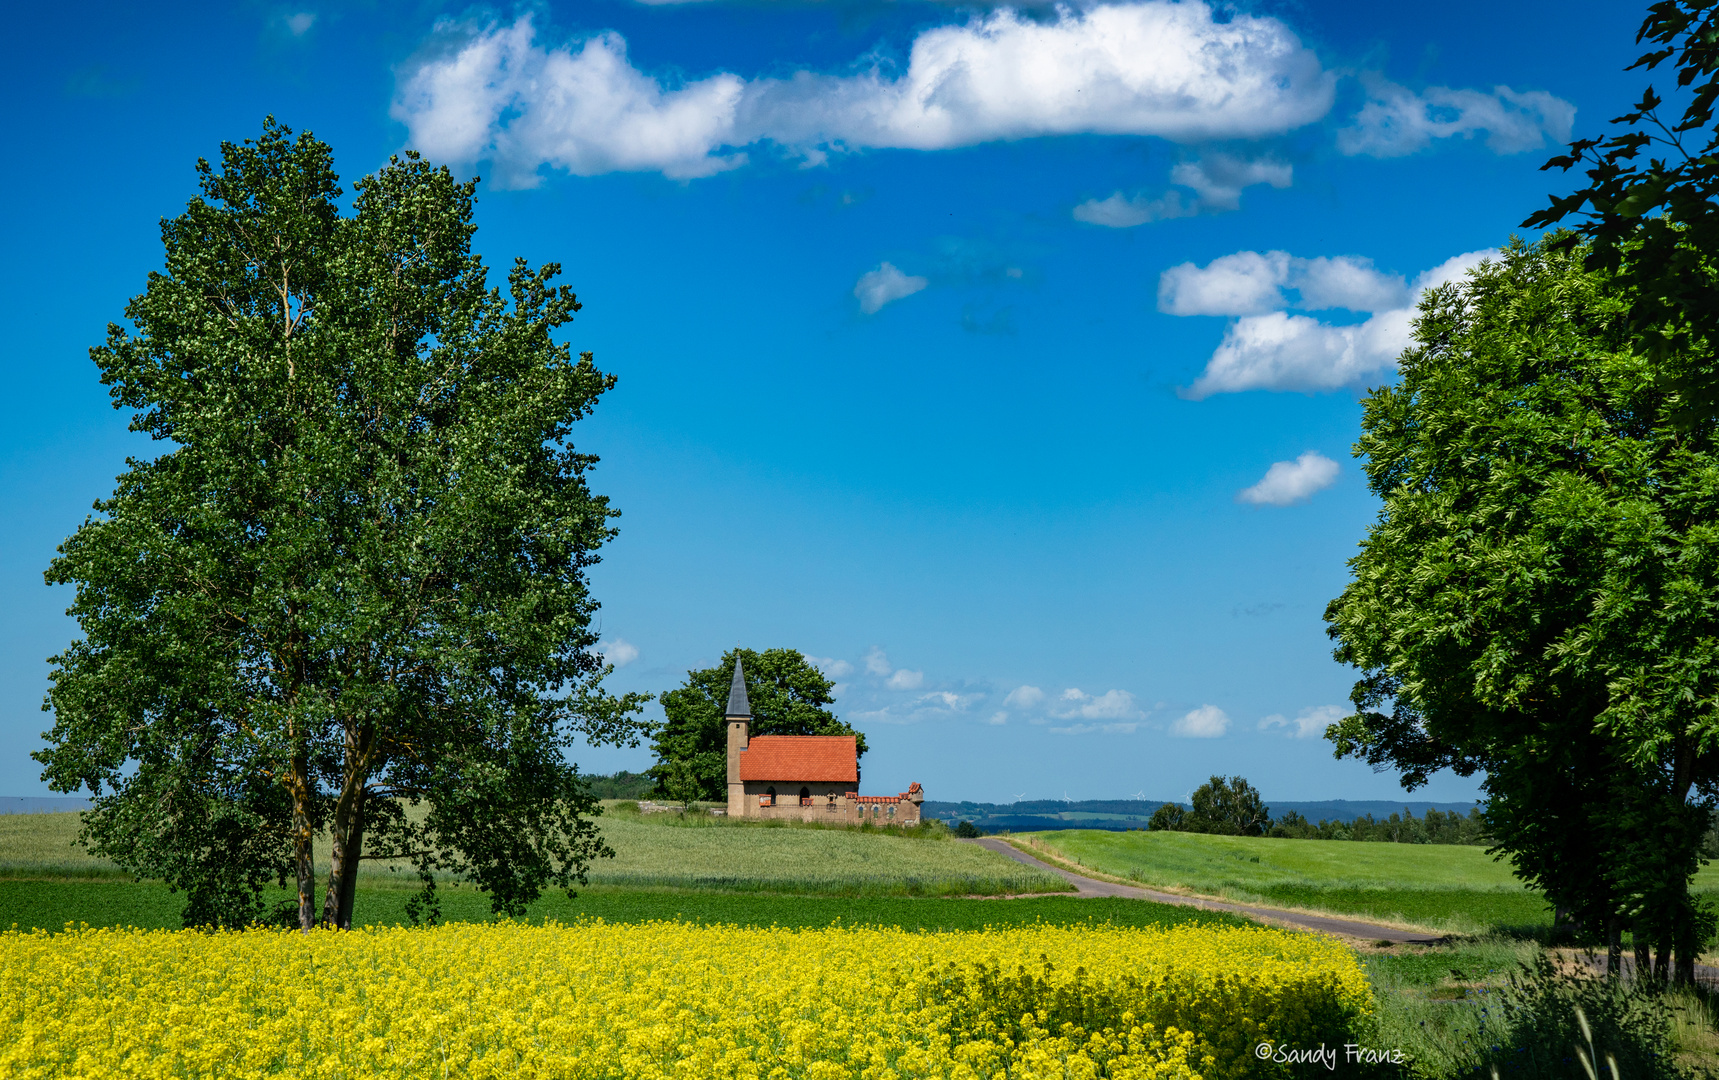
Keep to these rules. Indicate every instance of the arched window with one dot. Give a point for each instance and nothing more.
(805, 796)
(769, 796)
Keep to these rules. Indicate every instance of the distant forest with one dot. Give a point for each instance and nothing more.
(1337, 818)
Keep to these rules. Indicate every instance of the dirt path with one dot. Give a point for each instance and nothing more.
(1086, 886)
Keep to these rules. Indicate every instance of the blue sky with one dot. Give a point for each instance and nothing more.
(1007, 361)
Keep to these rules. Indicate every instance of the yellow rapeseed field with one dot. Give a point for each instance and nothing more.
(665, 1000)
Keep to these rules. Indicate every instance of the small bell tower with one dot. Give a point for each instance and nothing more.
(738, 717)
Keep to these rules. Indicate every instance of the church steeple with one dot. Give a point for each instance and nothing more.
(737, 703)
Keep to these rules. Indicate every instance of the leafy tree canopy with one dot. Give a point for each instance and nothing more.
(1539, 598)
(1650, 209)
(788, 696)
(353, 582)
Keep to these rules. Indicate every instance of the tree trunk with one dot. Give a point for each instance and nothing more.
(1643, 949)
(1684, 939)
(348, 848)
(303, 838)
(1662, 961)
(1614, 945)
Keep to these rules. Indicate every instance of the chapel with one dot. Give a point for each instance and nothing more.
(802, 777)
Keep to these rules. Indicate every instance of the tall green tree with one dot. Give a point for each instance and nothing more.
(353, 582)
(1539, 598)
(788, 696)
(1229, 806)
(1649, 211)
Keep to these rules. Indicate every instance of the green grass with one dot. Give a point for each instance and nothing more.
(703, 852)
(50, 905)
(1443, 887)
(664, 850)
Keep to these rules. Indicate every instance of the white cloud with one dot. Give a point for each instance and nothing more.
(1293, 352)
(1345, 282)
(1253, 282)
(878, 287)
(1110, 705)
(1121, 211)
(1024, 697)
(581, 107)
(301, 22)
(998, 719)
(1146, 68)
(1217, 181)
(877, 662)
(1095, 729)
(619, 652)
(944, 700)
(829, 665)
(1310, 724)
(1397, 121)
(1205, 722)
(1288, 482)
(1277, 351)
(906, 680)
(1241, 284)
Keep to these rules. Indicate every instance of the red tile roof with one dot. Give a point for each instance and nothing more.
(797, 759)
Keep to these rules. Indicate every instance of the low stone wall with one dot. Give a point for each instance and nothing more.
(838, 809)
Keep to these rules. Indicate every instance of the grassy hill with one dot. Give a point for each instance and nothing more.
(1443, 887)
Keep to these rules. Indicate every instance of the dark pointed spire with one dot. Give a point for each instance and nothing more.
(737, 703)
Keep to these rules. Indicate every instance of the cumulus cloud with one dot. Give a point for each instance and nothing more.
(300, 22)
(1110, 705)
(619, 651)
(998, 718)
(1288, 482)
(581, 107)
(906, 680)
(1024, 697)
(1217, 181)
(1205, 722)
(829, 665)
(878, 287)
(1240, 284)
(1252, 282)
(1396, 121)
(877, 662)
(1267, 349)
(1308, 724)
(1146, 68)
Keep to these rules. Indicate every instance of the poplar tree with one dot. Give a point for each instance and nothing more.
(348, 598)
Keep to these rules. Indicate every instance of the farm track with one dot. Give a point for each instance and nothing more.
(1086, 886)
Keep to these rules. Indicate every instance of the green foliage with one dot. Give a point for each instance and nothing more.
(1650, 209)
(621, 785)
(788, 695)
(1539, 599)
(354, 581)
(1167, 818)
(967, 831)
(1437, 827)
(1227, 806)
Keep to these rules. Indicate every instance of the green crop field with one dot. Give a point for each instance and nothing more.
(662, 850)
(50, 905)
(1442, 887)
